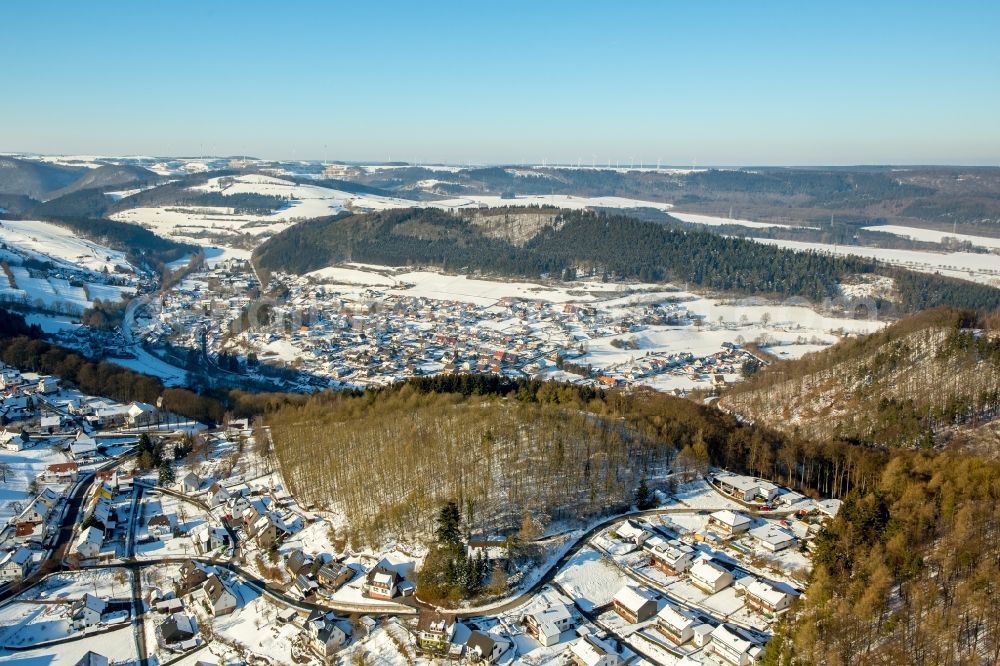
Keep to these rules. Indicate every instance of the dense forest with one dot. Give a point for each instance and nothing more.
(612, 247)
(464, 435)
(907, 573)
(932, 379)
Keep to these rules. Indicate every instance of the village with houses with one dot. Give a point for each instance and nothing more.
(357, 327)
(205, 557)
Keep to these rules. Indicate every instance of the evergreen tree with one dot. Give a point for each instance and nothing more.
(166, 476)
(449, 525)
(643, 498)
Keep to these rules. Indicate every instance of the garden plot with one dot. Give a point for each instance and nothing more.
(111, 583)
(590, 579)
(254, 626)
(25, 466)
(183, 518)
(118, 646)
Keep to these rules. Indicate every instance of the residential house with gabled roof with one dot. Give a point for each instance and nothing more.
(676, 623)
(435, 631)
(192, 577)
(141, 414)
(14, 565)
(29, 532)
(728, 523)
(547, 625)
(176, 629)
(326, 633)
(709, 576)
(220, 597)
(60, 473)
(635, 604)
(485, 648)
(88, 544)
(218, 495)
(190, 483)
(382, 582)
(592, 651)
(87, 611)
(335, 576)
(83, 446)
(669, 556)
(14, 441)
(733, 647)
(763, 596)
(633, 532)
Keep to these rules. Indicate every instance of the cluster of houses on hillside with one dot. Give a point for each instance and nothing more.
(34, 408)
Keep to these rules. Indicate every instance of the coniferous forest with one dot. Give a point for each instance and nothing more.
(606, 246)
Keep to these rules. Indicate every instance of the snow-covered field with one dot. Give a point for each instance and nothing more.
(50, 241)
(715, 221)
(984, 268)
(303, 202)
(590, 579)
(118, 646)
(81, 267)
(933, 235)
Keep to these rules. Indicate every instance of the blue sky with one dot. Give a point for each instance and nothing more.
(697, 82)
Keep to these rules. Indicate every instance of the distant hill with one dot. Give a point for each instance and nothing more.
(35, 179)
(43, 181)
(563, 244)
(109, 175)
(929, 380)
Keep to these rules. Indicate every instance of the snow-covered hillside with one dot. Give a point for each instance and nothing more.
(78, 271)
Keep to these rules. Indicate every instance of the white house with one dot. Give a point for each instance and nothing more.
(14, 565)
(486, 648)
(87, 611)
(89, 543)
(14, 441)
(326, 634)
(9, 378)
(709, 576)
(219, 495)
(220, 598)
(140, 414)
(190, 483)
(592, 651)
(36, 512)
(773, 538)
(729, 523)
(676, 623)
(82, 446)
(49, 498)
(762, 595)
(382, 582)
(632, 532)
(733, 647)
(547, 625)
(47, 385)
(60, 473)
